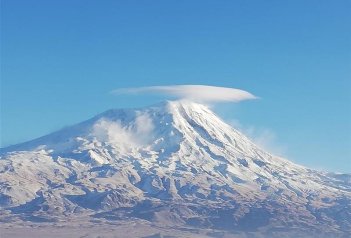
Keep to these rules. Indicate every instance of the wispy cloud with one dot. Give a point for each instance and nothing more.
(263, 137)
(137, 133)
(199, 93)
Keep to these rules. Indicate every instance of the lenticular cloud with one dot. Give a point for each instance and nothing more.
(201, 93)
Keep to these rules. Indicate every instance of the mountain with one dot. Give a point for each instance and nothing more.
(175, 164)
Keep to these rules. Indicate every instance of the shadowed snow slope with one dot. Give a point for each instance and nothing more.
(175, 163)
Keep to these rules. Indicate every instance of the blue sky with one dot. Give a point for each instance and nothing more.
(60, 60)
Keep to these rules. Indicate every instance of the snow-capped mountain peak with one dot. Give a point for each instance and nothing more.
(175, 153)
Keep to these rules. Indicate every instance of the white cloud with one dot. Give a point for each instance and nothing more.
(199, 93)
(113, 132)
(137, 133)
(143, 128)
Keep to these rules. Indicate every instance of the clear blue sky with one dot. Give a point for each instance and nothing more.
(60, 60)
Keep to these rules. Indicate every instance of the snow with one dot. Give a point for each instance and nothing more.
(173, 153)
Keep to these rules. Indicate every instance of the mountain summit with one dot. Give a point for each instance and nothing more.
(175, 163)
